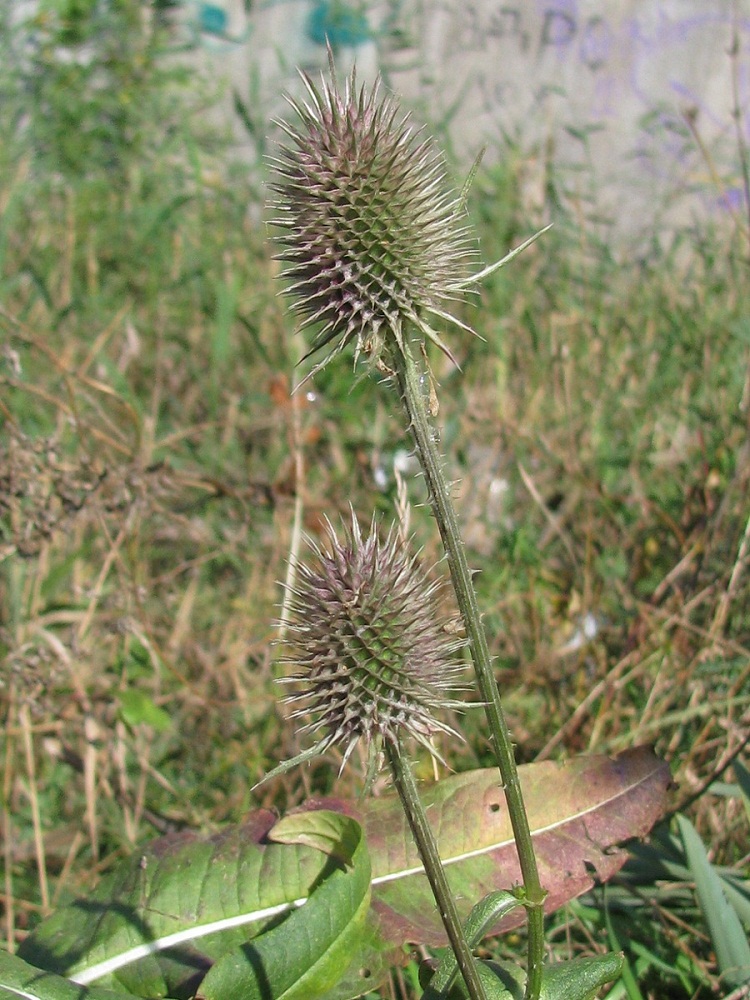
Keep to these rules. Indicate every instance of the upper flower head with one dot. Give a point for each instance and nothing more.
(373, 660)
(374, 241)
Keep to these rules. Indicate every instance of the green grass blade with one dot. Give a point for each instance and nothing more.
(626, 974)
(742, 775)
(729, 939)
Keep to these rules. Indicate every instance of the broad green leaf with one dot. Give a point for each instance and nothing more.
(728, 937)
(20, 980)
(322, 830)
(309, 952)
(370, 962)
(579, 979)
(157, 925)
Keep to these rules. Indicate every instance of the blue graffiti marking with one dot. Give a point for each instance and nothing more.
(337, 23)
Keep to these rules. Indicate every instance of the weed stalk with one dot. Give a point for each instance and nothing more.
(410, 381)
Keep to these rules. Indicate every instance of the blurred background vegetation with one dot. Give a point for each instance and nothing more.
(152, 457)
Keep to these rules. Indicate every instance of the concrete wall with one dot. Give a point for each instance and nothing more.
(598, 94)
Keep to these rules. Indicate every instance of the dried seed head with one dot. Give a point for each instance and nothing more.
(373, 239)
(373, 659)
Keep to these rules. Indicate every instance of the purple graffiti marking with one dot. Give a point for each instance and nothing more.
(596, 43)
(558, 29)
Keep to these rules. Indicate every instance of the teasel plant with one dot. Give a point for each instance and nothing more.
(377, 252)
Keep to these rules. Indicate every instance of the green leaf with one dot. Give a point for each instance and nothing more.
(18, 979)
(307, 954)
(728, 937)
(159, 923)
(322, 830)
(579, 979)
(137, 708)
(484, 915)
(500, 980)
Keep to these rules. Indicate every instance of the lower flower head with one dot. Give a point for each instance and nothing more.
(373, 659)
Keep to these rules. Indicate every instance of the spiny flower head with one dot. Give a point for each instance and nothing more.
(372, 656)
(374, 241)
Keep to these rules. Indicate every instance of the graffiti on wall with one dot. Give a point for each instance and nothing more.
(335, 22)
(627, 85)
(649, 53)
(630, 90)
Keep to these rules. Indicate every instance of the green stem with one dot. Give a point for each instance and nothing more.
(424, 838)
(412, 393)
